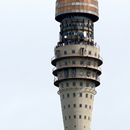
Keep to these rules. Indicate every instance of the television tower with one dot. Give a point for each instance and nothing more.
(77, 61)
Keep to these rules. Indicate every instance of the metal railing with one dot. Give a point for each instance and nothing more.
(63, 56)
(77, 76)
(68, 66)
(61, 44)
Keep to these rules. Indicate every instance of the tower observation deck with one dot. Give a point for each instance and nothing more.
(77, 61)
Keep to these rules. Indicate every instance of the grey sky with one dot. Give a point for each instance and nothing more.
(28, 98)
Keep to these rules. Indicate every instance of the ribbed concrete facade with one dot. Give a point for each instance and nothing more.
(77, 61)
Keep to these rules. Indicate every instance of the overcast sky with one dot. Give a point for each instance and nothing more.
(28, 98)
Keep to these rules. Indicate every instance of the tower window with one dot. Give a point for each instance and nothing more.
(68, 95)
(81, 83)
(74, 116)
(82, 51)
(84, 117)
(74, 105)
(73, 51)
(67, 84)
(74, 83)
(73, 72)
(57, 53)
(81, 62)
(65, 52)
(91, 96)
(85, 105)
(86, 95)
(69, 117)
(74, 95)
(80, 94)
(80, 116)
(89, 63)
(73, 62)
(88, 73)
(89, 52)
(65, 62)
(64, 107)
(68, 105)
(87, 84)
(66, 73)
(90, 107)
(94, 64)
(80, 105)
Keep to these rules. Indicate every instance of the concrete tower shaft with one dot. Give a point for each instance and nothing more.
(77, 61)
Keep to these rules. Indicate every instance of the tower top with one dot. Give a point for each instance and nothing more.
(87, 8)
